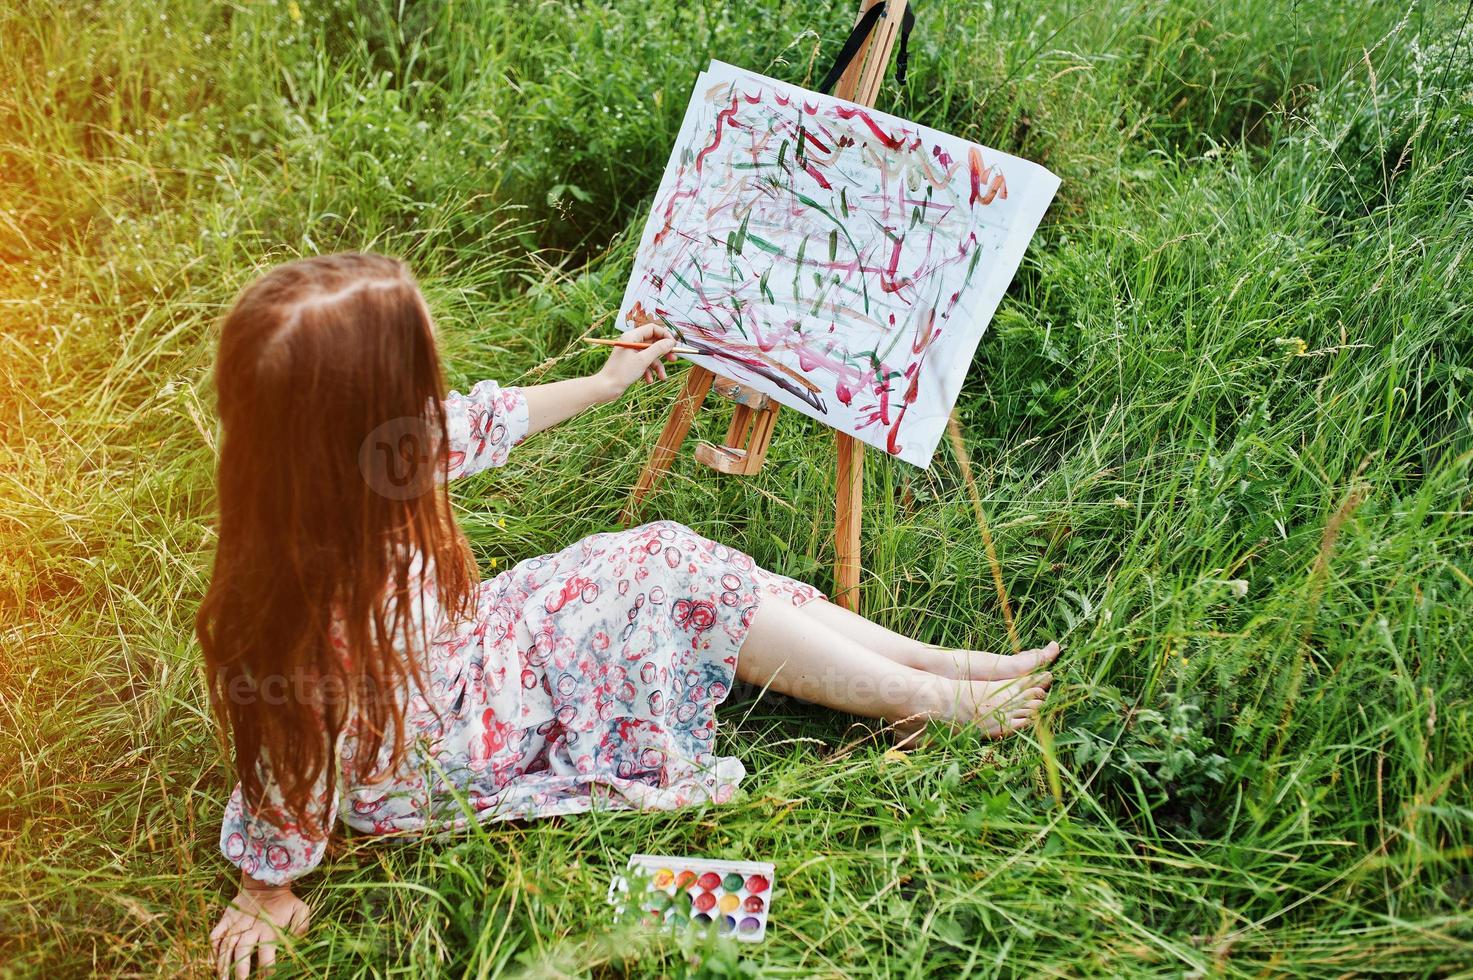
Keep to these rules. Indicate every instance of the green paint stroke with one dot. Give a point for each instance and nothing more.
(888, 233)
(810, 202)
(763, 243)
(741, 237)
(798, 269)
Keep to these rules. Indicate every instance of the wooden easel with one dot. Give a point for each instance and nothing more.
(755, 414)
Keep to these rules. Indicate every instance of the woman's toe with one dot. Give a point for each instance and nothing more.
(1039, 657)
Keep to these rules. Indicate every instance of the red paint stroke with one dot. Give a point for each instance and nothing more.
(926, 270)
(925, 332)
(927, 207)
(995, 184)
(808, 135)
(936, 180)
(670, 213)
(638, 316)
(892, 441)
(884, 137)
(758, 147)
(724, 117)
(813, 172)
(764, 344)
(888, 278)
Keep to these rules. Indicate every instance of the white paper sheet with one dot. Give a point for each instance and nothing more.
(840, 259)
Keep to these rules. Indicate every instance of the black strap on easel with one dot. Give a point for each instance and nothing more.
(856, 38)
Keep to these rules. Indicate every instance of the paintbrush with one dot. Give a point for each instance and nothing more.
(637, 345)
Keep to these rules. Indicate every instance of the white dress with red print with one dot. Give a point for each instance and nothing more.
(586, 678)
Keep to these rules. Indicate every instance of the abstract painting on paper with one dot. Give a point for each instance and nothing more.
(842, 260)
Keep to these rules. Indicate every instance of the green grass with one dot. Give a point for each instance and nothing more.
(1221, 424)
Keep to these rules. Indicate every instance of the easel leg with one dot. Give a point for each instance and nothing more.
(697, 384)
(850, 495)
(859, 83)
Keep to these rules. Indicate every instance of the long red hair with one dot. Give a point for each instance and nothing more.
(316, 358)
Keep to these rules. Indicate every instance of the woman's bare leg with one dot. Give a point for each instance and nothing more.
(793, 653)
(974, 665)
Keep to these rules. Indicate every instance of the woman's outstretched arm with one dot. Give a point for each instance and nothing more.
(549, 404)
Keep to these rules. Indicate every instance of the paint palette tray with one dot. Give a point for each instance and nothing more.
(732, 897)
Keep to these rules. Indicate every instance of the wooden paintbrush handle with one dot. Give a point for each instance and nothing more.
(636, 345)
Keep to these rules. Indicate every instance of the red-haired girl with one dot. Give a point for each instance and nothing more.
(365, 672)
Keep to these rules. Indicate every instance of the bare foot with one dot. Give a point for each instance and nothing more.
(978, 665)
(975, 665)
(996, 708)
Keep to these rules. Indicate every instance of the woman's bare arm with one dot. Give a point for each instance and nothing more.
(549, 404)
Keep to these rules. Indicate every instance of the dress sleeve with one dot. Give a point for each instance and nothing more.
(264, 842)
(483, 425)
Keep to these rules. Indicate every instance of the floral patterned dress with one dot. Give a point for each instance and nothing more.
(586, 678)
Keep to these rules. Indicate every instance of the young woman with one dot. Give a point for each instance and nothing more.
(361, 667)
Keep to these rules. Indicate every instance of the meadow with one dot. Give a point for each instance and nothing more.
(1221, 428)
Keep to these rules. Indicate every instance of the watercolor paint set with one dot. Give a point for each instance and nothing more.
(733, 897)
